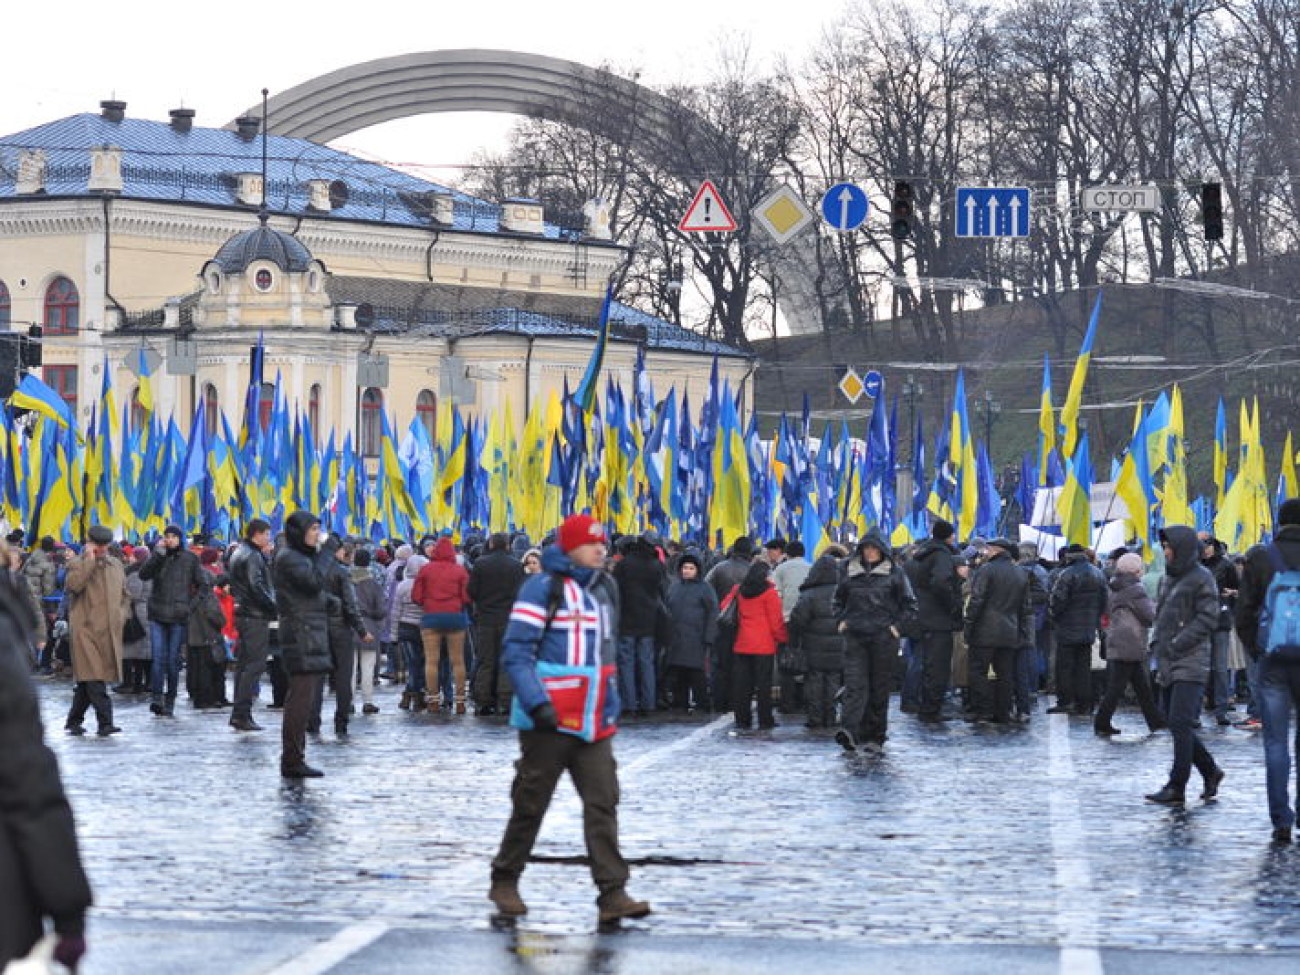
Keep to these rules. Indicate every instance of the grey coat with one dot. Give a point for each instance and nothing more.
(1131, 614)
(137, 590)
(1188, 613)
(693, 609)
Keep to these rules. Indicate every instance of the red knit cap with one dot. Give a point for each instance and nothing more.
(580, 530)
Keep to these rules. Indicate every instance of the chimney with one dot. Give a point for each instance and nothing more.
(112, 110)
(182, 119)
(247, 126)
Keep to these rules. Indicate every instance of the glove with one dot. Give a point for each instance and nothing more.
(69, 949)
(544, 717)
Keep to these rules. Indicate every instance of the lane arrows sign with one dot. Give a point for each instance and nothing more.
(992, 211)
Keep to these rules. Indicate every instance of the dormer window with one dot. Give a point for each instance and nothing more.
(263, 279)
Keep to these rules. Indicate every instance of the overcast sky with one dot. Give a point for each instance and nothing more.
(216, 57)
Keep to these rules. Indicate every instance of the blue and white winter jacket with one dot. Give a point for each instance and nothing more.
(581, 633)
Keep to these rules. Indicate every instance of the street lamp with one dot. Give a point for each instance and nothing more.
(913, 392)
(991, 409)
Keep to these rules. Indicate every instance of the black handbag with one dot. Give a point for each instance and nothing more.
(791, 659)
(133, 630)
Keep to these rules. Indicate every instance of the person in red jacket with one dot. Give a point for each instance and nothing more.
(760, 627)
(442, 591)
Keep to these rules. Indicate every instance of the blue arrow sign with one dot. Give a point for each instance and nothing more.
(992, 211)
(845, 207)
(872, 383)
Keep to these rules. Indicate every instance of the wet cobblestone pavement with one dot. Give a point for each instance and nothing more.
(966, 850)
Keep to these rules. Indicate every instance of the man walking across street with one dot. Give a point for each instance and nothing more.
(177, 576)
(250, 584)
(1186, 616)
(1076, 605)
(567, 614)
(1279, 670)
(97, 584)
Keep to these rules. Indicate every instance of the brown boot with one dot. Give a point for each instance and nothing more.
(614, 905)
(505, 895)
(460, 707)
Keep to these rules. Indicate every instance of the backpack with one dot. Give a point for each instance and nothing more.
(1279, 621)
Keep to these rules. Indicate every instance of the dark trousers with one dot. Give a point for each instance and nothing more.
(297, 709)
(720, 676)
(544, 757)
(343, 651)
(868, 674)
(1074, 676)
(751, 676)
(491, 682)
(85, 695)
(279, 681)
(205, 678)
(1128, 673)
(990, 682)
(250, 663)
(936, 671)
(792, 691)
(1183, 706)
(820, 688)
(687, 687)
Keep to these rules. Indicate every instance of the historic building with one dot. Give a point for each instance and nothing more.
(370, 289)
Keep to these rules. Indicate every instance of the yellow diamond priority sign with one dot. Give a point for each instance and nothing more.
(783, 214)
(852, 385)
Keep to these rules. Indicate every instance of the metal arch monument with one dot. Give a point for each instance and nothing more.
(474, 80)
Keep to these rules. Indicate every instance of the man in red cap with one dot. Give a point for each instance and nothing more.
(566, 615)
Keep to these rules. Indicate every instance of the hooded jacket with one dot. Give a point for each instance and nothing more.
(693, 615)
(177, 575)
(371, 605)
(343, 612)
(872, 599)
(1256, 576)
(932, 572)
(1078, 600)
(1000, 610)
(581, 632)
(442, 587)
(813, 624)
(406, 611)
(493, 584)
(760, 623)
(1226, 578)
(1131, 613)
(1188, 613)
(298, 574)
(640, 577)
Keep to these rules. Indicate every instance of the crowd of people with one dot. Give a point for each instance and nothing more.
(979, 632)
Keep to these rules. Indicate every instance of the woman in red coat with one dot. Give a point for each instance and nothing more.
(760, 627)
(442, 591)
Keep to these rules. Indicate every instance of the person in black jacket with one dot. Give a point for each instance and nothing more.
(641, 583)
(298, 573)
(1225, 577)
(345, 629)
(874, 603)
(932, 571)
(1278, 680)
(693, 618)
(494, 582)
(999, 620)
(1186, 617)
(177, 576)
(1076, 605)
(814, 629)
(41, 877)
(250, 584)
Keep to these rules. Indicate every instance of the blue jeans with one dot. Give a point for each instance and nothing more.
(1279, 695)
(168, 641)
(1026, 678)
(636, 672)
(413, 655)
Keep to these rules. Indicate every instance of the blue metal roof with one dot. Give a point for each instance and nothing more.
(199, 166)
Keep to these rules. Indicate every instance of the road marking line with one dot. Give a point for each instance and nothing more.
(656, 755)
(320, 958)
(1076, 917)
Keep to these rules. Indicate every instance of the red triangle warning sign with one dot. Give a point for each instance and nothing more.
(707, 213)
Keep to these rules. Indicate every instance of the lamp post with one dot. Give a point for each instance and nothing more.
(991, 409)
(914, 393)
(670, 279)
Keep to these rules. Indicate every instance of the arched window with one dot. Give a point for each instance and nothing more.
(62, 307)
(211, 410)
(313, 411)
(63, 380)
(265, 406)
(372, 424)
(139, 416)
(4, 304)
(426, 410)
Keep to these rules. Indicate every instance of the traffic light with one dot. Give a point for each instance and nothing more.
(31, 353)
(1212, 210)
(902, 210)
